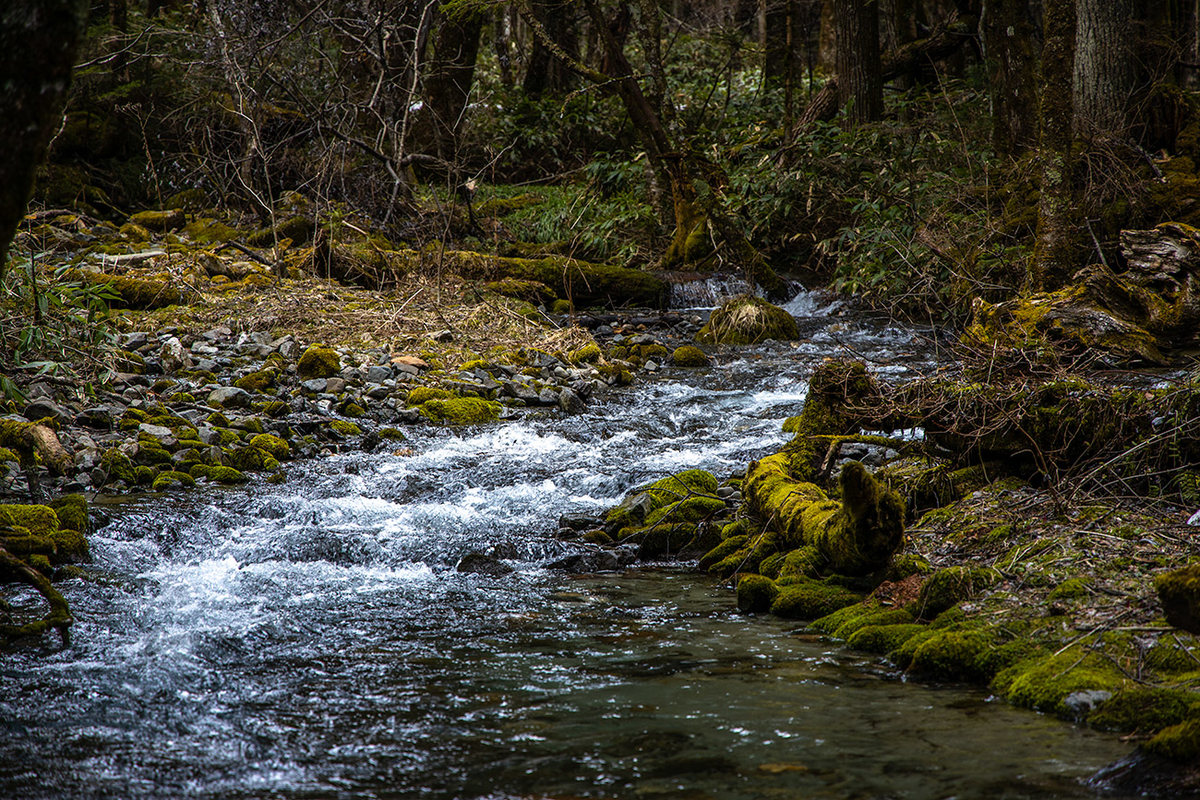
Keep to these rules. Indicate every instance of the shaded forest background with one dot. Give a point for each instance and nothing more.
(918, 152)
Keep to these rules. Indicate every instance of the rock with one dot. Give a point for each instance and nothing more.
(134, 340)
(748, 320)
(174, 356)
(633, 510)
(315, 385)
(160, 221)
(482, 564)
(547, 397)
(570, 402)
(580, 522)
(1179, 592)
(378, 374)
(596, 560)
(318, 361)
(229, 397)
(335, 385)
(689, 357)
(44, 407)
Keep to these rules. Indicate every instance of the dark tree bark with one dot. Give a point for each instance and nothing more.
(451, 73)
(1008, 38)
(1106, 72)
(1056, 250)
(544, 72)
(860, 79)
(38, 40)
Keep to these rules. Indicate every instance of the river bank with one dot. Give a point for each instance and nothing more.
(389, 397)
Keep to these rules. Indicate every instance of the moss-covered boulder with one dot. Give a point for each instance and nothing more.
(748, 320)
(272, 444)
(811, 599)
(1046, 683)
(318, 361)
(689, 357)
(460, 411)
(1179, 592)
(160, 221)
(130, 292)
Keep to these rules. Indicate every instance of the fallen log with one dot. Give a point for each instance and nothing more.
(14, 570)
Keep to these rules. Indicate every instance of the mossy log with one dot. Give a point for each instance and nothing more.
(14, 570)
(32, 441)
(1148, 313)
(857, 536)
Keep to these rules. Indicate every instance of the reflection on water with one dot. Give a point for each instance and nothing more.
(312, 640)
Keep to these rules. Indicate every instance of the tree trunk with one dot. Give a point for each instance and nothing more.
(1105, 66)
(860, 80)
(1056, 250)
(451, 73)
(38, 39)
(1008, 37)
(544, 72)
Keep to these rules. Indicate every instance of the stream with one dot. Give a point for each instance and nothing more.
(313, 640)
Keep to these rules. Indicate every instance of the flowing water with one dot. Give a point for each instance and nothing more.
(312, 639)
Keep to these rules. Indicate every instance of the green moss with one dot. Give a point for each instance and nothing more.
(345, 427)
(756, 593)
(251, 459)
(420, 395)
(37, 519)
(226, 475)
(882, 639)
(159, 221)
(318, 361)
(951, 655)
(812, 599)
(1044, 684)
(70, 546)
(72, 512)
(1071, 589)
(722, 551)
(150, 455)
(172, 480)
(693, 509)
(876, 617)
(117, 466)
(748, 320)
(272, 444)
(211, 231)
(948, 587)
(41, 563)
(127, 361)
(135, 293)
(1144, 709)
(597, 537)
(273, 409)
(588, 354)
(460, 411)
(1179, 742)
(1171, 658)
(689, 356)
(257, 382)
(218, 420)
(392, 434)
(353, 410)
(1179, 592)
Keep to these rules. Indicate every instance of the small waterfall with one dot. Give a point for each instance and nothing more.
(690, 290)
(814, 303)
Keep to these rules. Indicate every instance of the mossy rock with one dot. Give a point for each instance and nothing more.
(318, 361)
(1178, 743)
(689, 356)
(345, 427)
(951, 655)
(211, 231)
(1144, 709)
(72, 512)
(352, 410)
(460, 411)
(134, 293)
(298, 229)
(38, 520)
(251, 459)
(392, 434)
(722, 551)
(71, 546)
(226, 475)
(274, 408)
(883, 639)
(1070, 589)
(160, 221)
(257, 382)
(1179, 592)
(756, 593)
(172, 480)
(812, 600)
(272, 444)
(419, 395)
(844, 623)
(130, 362)
(746, 320)
(1044, 684)
(948, 587)
(588, 354)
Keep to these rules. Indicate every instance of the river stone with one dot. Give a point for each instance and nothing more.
(482, 564)
(547, 397)
(229, 397)
(217, 333)
(378, 374)
(570, 402)
(590, 561)
(335, 385)
(314, 385)
(135, 340)
(45, 407)
(580, 522)
(173, 356)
